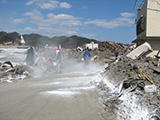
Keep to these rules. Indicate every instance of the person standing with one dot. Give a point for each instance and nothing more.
(58, 61)
(87, 56)
(117, 53)
(21, 39)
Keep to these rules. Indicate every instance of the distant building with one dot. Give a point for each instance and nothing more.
(91, 45)
(148, 23)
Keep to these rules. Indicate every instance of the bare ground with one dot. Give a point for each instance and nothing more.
(65, 96)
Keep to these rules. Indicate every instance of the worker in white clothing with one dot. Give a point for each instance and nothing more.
(21, 40)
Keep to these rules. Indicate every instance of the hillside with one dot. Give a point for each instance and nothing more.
(41, 41)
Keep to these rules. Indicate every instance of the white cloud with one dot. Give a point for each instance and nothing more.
(51, 20)
(124, 20)
(18, 21)
(51, 24)
(126, 14)
(63, 19)
(49, 4)
(35, 17)
(50, 31)
(65, 5)
(30, 2)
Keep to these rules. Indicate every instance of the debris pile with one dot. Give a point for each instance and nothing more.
(109, 45)
(132, 85)
(9, 73)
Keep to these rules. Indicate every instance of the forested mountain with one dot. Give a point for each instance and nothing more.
(39, 40)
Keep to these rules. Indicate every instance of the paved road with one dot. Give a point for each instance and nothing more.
(65, 96)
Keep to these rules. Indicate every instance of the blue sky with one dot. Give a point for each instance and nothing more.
(111, 20)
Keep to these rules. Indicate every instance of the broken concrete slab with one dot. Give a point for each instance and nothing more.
(140, 50)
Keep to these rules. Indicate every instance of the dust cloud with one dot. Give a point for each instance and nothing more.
(71, 61)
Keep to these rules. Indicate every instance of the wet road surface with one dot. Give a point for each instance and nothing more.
(65, 96)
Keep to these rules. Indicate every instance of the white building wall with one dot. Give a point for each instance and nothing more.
(92, 45)
(153, 18)
(150, 12)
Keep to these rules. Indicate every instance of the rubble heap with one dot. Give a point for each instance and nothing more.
(136, 80)
(127, 68)
(110, 45)
(9, 73)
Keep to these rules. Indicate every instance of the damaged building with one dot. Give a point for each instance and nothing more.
(147, 23)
